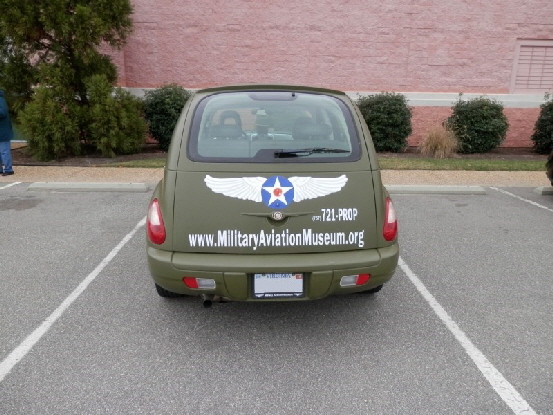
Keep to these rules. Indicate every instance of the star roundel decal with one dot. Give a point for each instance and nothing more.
(276, 192)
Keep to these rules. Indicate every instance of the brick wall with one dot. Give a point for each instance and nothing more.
(356, 45)
(424, 45)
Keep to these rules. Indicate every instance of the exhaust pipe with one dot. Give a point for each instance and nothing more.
(208, 300)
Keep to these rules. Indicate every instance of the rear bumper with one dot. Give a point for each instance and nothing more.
(232, 273)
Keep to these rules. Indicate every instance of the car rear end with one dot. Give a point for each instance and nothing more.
(271, 193)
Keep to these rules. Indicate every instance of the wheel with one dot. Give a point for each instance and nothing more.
(162, 292)
(372, 290)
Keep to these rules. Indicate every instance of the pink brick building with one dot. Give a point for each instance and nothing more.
(431, 50)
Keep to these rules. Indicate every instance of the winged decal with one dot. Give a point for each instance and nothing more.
(276, 192)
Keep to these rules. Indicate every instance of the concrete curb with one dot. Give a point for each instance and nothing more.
(436, 190)
(544, 190)
(89, 187)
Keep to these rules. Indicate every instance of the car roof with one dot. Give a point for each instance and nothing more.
(270, 87)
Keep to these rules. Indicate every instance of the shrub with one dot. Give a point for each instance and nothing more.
(479, 124)
(59, 123)
(543, 129)
(389, 120)
(116, 123)
(61, 33)
(549, 167)
(51, 125)
(440, 142)
(162, 108)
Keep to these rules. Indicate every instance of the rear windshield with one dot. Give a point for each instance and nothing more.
(272, 127)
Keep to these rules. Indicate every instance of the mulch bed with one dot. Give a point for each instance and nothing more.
(21, 156)
(501, 153)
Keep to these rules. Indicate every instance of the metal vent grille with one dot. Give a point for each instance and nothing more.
(533, 67)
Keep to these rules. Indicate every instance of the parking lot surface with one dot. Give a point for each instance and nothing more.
(463, 327)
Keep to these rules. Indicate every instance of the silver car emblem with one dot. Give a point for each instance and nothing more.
(277, 216)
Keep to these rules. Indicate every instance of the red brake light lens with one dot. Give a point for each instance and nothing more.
(190, 282)
(362, 279)
(154, 224)
(390, 222)
(199, 283)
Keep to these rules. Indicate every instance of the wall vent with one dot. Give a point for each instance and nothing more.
(533, 67)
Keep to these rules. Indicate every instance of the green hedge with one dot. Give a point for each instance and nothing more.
(116, 119)
(57, 125)
(162, 108)
(389, 120)
(543, 129)
(479, 124)
(51, 125)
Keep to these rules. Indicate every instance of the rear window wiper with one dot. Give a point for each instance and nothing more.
(307, 151)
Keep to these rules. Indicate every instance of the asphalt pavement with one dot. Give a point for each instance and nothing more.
(463, 327)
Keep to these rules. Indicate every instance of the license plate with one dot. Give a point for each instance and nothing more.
(278, 285)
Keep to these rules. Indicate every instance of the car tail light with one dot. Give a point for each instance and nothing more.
(389, 230)
(154, 223)
(190, 282)
(199, 283)
(357, 279)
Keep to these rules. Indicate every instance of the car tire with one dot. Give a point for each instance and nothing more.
(372, 290)
(162, 292)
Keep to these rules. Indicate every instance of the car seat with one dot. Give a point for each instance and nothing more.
(225, 130)
(304, 128)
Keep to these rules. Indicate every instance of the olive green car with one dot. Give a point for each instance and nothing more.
(271, 193)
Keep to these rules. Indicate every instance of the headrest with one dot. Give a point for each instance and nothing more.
(225, 131)
(225, 115)
(311, 131)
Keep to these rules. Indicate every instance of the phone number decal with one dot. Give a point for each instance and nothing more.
(336, 215)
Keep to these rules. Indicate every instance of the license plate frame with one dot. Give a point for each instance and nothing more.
(278, 285)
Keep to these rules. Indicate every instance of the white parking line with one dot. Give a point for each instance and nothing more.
(9, 185)
(503, 388)
(20, 351)
(521, 198)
